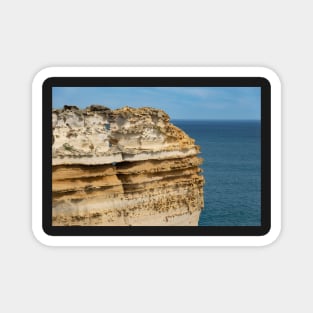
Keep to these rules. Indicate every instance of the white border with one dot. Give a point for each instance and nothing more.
(151, 240)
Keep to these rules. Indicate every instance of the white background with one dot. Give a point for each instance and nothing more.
(37, 34)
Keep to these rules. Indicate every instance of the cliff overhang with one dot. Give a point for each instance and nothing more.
(123, 167)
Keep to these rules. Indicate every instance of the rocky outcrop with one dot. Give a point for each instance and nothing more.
(123, 167)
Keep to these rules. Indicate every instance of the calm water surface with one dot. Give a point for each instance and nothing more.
(232, 170)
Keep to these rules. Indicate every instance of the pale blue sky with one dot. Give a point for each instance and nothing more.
(243, 103)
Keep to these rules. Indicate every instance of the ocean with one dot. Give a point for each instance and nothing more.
(232, 170)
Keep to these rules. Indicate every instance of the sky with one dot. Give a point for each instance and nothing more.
(194, 103)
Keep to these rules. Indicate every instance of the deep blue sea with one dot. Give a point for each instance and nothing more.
(232, 170)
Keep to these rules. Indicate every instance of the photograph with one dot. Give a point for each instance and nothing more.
(156, 156)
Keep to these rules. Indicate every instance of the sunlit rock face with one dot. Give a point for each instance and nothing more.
(123, 167)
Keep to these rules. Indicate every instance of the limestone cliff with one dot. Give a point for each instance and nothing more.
(123, 167)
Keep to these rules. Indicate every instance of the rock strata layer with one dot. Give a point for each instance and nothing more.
(123, 167)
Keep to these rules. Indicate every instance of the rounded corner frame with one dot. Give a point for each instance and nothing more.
(264, 73)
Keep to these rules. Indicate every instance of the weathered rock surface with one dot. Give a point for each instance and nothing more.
(123, 167)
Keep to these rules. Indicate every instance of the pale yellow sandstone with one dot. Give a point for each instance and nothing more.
(123, 167)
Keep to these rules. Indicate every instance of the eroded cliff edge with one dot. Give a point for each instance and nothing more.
(123, 167)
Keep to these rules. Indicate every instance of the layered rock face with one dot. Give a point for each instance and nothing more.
(123, 167)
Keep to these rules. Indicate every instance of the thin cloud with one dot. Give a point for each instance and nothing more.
(178, 102)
